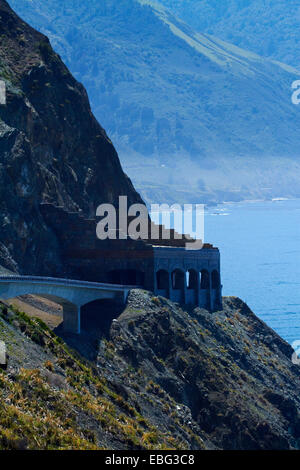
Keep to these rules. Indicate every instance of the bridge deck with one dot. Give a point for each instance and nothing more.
(65, 282)
(71, 294)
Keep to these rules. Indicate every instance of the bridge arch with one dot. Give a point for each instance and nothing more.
(178, 285)
(204, 293)
(162, 282)
(178, 279)
(205, 280)
(192, 277)
(70, 294)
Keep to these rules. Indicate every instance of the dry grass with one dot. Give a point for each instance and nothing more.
(51, 320)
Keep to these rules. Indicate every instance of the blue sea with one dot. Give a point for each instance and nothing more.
(260, 255)
(260, 258)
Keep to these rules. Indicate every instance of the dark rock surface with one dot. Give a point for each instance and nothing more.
(228, 375)
(167, 376)
(194, 119)
(52, 150)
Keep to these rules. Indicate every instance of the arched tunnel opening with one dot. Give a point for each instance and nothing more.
(162, 279)
(127, 277)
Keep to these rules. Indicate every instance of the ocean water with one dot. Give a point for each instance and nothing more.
(260, 256)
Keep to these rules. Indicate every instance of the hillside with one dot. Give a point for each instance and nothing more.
(53, 399)
(165, 378)
(52, 150)
(268, 28)
(193, 118)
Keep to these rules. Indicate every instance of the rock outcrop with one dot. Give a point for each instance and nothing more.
(194, 119)
(52, 150)
(166, 378)
(228, 375)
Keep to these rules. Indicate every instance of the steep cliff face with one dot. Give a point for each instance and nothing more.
(228, 375)
(52, 149)
(194, 119)
(166, 378)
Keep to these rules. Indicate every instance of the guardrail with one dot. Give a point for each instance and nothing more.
(66, 282)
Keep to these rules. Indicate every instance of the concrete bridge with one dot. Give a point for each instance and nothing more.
(70, 294)
(188, 277)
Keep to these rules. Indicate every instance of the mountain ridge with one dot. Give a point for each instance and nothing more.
(268, 28)
(200, 117)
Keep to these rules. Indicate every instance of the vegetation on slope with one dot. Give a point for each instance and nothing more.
(58, 401)
(268, 28)
(162, 377)
(193, 118)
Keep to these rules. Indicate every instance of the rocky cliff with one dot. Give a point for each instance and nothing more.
(193, 118)
(166, 378)
(52, 149)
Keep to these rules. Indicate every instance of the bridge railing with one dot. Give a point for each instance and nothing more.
(66, 282)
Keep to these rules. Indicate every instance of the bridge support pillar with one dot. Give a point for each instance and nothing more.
(184, 293)
(71, 319)
(198, 300)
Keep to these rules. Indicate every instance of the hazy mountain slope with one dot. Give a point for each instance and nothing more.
(219, 119)
(52, 150)
(269, 28)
